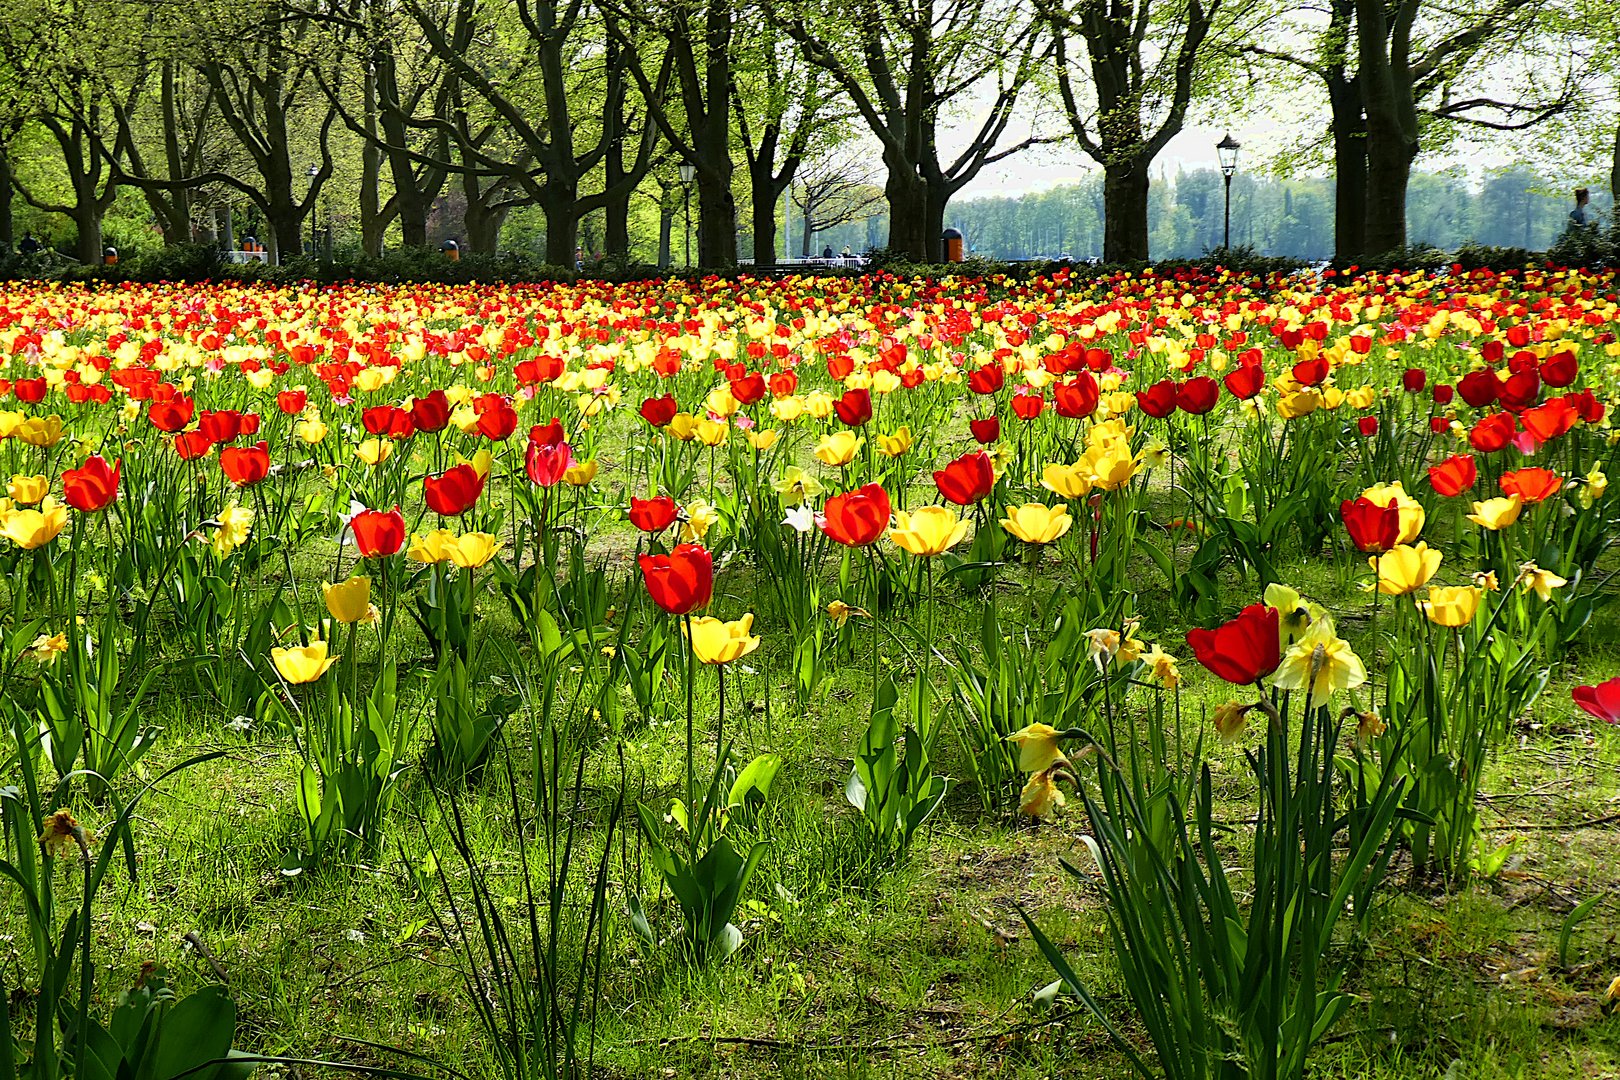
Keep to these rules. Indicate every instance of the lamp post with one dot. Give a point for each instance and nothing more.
(314, 240)
(688, 174)
(1228, 148)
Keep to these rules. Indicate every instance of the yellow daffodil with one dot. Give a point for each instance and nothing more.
(698, 517)
(928, 531)
(1038, 748)
(1541, 582)
(302, 664)
(715, 641)
(1294, 613)
(840, 612)
(1034, 523)
(48, 648)
(1041, 795)
(1405, 568)
(1162, 667)
(1321, 663)
(1592, 487)
(796, 486)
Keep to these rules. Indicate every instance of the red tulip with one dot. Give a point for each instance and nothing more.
(659, 411)
(749, 388)
(1443, 393)
(1601, 701)
(1158, 400)
(1413, 380)
(1479, 388)
(986, 429)
(1076, 398)
(1028, 406)
(1453, 476)
(389, 421)
(967, 479)
(784, 383)
(192, 445)
(1549, 420)
(453, 492)
(652, 515)
(1198, 395)
(171, 416)
(1493, 433)
(987, 379)
(29, 390)
(1520, 391)
(431, 412)
(1371, 527)
(680, 582)
(292, 402)
(1241, 651)
(1245, 382)
(92, 486)
(1311, 372)
(547, 458)
(245, 466)
(857, 518)
(1367, 425)
(1531, 485)
(378, 533)
(855, 407)
(1586, 406)
(496, 418)
(1559, 370)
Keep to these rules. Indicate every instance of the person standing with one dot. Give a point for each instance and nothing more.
(1583, 214)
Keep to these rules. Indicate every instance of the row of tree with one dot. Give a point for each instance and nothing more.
(579, 108)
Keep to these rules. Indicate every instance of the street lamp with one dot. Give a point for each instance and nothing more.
(688, 174)
(1228, 148)
(314, 241)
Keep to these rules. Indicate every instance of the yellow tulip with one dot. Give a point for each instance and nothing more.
(433, 547)
(1361, 397)
(1111, 466)
(581, 473)
(1038, 748)
(721, 401)
(1404, 569)
(1452, 605)
(1069, 481)
(27, 490)
(1497, 514)
(473, 550)
(682, 425)
(1409, 509)
(374, 451)
(819, 404)
(717, 642)
(312, 431)
(1035, 523)
(42, 431)
(928, 532)
(30, 529)
(1299, 403)
(896, 444)
(302, 664)
(349, 601)
(711, 432)
(763, 440)
(787, 409)
(839, 448)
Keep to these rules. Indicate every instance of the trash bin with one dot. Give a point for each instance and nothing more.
(452, 250)
(109, 256)
(953, 245)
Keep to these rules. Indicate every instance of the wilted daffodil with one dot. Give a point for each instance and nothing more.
(302, 664)
(715, 641)
(1405, 569)
(1541, 582)
(1320, 662)
(349, 601)
(928, 531)
(1041, 795)
(1034, 523)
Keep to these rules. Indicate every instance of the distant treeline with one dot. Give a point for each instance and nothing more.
(1513, 207)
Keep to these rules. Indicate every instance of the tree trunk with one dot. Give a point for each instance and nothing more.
(763, 186)
(372, 222)
(616, 230)
(87, 219)
(227, 229)
(562, 222)
(7, 222)
(1389, 168)
(666, 227)
(908, 212)
(1614, 178)
(934, 222)
(717, 214)
(1349, 171)
(1125, 211)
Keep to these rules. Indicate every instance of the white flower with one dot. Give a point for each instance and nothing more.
(801, 518)
(241, 725)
